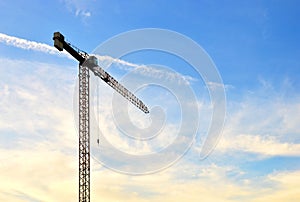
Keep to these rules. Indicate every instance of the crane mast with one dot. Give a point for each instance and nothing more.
(87, 63)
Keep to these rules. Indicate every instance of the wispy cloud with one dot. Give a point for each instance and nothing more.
(29, 45)
(106, 60)
(266, 146)
(39, 104)
(35, 98)
(210, 183)
(81, 8)
(263, 122)
(36, 103)
(214, 86)
(33, 85)
(146, 70)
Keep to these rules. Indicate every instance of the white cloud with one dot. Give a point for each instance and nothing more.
(263, 122)
(285, 187)
(82, 13)
(195, 183)
(38, 157)
(39, 172)
(106, 60)
(146, 70)
(81, 8)
(266, 146)
(30, 45)
(36, 99)
(215, 86)
(24, 170)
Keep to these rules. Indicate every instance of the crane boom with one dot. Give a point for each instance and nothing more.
(106, 77)
(91, 62)
(87, 63)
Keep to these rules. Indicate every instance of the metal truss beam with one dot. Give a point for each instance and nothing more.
(84, 135)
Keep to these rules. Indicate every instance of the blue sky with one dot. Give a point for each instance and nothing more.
(257, 38)
(255, 46)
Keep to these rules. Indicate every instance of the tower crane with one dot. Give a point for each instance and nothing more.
(86, 64)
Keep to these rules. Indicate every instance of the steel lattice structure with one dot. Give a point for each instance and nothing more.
(87, 63)
(84, 135)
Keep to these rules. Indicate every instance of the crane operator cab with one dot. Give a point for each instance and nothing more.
(91, 62)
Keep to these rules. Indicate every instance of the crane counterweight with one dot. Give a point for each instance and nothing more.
(58, 41)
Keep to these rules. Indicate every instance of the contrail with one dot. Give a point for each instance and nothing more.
(28, 45)
(145, 69)
(45, 48)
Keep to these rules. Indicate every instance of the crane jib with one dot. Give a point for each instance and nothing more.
(92, 63)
